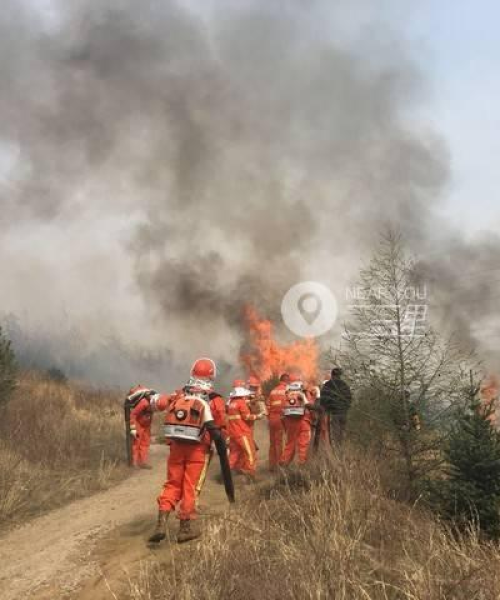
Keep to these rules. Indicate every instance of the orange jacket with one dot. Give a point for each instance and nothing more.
(276, 400)
(142, 414)
(218, 408)
(239, 418)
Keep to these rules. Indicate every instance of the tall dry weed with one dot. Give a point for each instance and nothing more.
(58, 442)
(328, 532)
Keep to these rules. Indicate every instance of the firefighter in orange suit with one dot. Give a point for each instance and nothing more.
(255, 403)
(297, 422)
(274, 405)
(189, 429)
(242, 456)
(218, 409)
(144, 402)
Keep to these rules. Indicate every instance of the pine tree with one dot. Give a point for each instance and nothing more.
(472, 492)
(407, 379)
(7, 369)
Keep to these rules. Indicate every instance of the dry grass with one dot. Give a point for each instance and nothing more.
(327, 533)
(58, 442)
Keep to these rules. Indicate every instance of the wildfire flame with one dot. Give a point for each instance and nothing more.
(265, 357)
(489, 392)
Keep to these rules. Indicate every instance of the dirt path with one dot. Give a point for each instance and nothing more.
(78, 550)
(89, 549)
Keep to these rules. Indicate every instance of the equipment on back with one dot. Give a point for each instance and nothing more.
(184, 420)
(137, 393)
(295, 403)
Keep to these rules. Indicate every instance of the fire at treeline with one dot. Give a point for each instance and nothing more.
(382, 384)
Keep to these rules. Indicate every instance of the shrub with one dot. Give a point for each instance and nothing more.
(469, 495)
(7, 369)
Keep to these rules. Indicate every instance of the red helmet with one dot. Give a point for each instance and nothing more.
(253, 382)
(204, 368)
(238, 383)
(203, 374)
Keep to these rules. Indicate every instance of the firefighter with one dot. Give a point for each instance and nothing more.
(218, 408)
(296, 421)
(256, 403)
(316, 417)
(189, 429)
(144, 402)
(274, 404)
(336, 399)
(242, 453)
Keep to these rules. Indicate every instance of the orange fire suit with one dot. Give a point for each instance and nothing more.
(274, 406)
(297, 429)
(141, 417)
(218, 408)
(187, 457)
(242, 455)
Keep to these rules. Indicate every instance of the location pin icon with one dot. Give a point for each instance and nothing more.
(309, 305)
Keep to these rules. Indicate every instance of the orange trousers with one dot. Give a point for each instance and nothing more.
(185, 465)
(242, 456)
(140, 445)
(275, 440)
(298, 439)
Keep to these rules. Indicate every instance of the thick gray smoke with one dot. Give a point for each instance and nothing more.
(186, 160)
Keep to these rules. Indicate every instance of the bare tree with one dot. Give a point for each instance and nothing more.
(407, 378)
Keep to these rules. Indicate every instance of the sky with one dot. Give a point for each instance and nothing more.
(461, 47)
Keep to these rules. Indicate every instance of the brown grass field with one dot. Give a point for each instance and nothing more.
(330, 531)
(58, 442)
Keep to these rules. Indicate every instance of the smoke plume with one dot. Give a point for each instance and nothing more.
(166, 163)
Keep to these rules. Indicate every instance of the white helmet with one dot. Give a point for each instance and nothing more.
(239, 390)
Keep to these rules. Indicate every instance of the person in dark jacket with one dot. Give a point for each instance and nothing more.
(335, 399)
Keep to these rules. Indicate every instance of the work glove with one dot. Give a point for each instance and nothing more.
(133, 432)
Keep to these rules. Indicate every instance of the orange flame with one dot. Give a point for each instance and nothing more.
(267, 358)
(489, 391)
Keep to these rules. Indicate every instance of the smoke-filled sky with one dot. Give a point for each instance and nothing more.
(164, 162)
